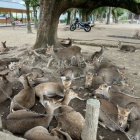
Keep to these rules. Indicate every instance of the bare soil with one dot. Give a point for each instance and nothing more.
(19, 41)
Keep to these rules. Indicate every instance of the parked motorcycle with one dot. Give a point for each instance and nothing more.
(84, 25)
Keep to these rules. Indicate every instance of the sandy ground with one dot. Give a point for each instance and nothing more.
(18, 38)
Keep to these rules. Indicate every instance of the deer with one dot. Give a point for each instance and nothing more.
(41, 133)
(65, 54)
(71, 121)
(112, 116)
(134, 130)
(93, 82)
(5, 87)
(21, 121)
(126, 48)
(51, 89)
(121, 100)
(4, 48)
(97, 64)
(3, 65)
(20, 69)
(25, 98)
(76, 72)
(98, 54)
(64, 44)
(112, 76)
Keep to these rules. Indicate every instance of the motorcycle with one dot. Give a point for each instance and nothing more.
(83, 25)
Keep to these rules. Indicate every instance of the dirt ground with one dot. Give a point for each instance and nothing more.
(18, 41)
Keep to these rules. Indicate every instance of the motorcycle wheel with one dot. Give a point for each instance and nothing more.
(72, 27)
(87, 28)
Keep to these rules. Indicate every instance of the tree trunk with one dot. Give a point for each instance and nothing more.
(35, 17)
(68, 17)
(132, 18)
(83, 16)
(47, 30)
(29, 30)
(109, 15)
(114, 13)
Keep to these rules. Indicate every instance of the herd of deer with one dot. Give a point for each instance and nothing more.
(107, 82)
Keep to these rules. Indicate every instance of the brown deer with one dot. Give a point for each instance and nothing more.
(5, 87)
(4, 48)
(65, 54)
(93, 82)
(20, 69)
(51, 89)
(98, 54)
(126, 48)
(121, 100)
(25, 98)
(21, 121)
(72, 122)
(112, 116)
(134, 130)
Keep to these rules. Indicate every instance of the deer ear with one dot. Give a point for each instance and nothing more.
(4, 42)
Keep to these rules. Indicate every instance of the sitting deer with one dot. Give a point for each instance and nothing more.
(25, 98)
(122, 100)
(98, 54)
(126, 48)
(41, 133)
(112, 116)
(21, 121)
(4, 48)
(5, 87)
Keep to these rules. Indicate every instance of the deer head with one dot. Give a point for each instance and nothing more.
(89, 79)
(3, 44)
(123, 114)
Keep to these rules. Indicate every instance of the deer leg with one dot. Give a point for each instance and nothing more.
(49, 62)
(102, 124)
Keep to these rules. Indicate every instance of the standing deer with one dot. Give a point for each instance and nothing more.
(65, 54)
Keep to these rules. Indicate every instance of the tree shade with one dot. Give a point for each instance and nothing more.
(52, 9)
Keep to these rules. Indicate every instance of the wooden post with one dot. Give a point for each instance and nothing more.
(91, 120)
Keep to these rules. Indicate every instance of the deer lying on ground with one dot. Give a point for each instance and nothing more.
(26, 97)
(4, 48)
(20, 69)
(126, 48)
(72, 122)
(121, 100)
(64, 44)
(97, 64)
(118, 115)
(65, 54)
(98, 55)
(51, 89)
(75, 72)
(41, 133)
(134, 129)
(21, 121)
(5, 87)
(3, 65)
(93, 82)
(61, 134)
(112, 76)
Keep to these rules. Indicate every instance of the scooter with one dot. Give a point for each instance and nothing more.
(83, 25)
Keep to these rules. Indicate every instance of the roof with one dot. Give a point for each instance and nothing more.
(6, 6)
